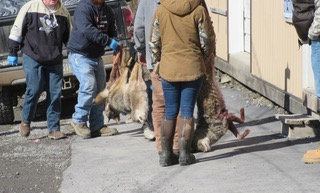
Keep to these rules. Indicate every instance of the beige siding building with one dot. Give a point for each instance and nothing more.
(258, 45)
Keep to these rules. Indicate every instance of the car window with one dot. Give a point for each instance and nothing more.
(12, 7)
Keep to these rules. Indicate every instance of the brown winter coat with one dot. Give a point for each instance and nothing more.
(181, 39)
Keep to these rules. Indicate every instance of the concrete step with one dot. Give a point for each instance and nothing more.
(310, 100)
(299, 125)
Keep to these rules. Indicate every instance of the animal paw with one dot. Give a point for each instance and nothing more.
(204, 145)
(244, 134)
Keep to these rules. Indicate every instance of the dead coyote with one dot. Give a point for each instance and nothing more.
(125, 91)
(213, 117)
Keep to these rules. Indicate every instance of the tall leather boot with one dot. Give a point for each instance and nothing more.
(167, 157)
(186, 132)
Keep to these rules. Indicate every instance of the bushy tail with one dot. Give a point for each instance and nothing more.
(102, 96)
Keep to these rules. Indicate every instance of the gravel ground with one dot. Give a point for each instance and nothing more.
(35, 164)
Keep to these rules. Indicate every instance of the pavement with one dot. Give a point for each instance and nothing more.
(264, 162)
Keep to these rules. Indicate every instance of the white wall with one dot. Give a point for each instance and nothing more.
(236, 23)
(307, 73)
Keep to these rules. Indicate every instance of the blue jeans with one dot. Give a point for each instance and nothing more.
(315, 60)
(180, 95)
(91, 75)
(38, 78)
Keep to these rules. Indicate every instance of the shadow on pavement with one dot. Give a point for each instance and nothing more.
(258, 122)
(256, 145)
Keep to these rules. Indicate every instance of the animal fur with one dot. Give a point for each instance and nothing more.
(213, 117)
(126, 94)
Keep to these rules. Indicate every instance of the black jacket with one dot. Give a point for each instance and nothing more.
(40, 33)
(302, 17)
(92, 30)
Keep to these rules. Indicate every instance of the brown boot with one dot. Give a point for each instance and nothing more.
(104, 132)
(167, 157)
(81, 129)
(158, 108)
(24, 129)
(186, 132)
(56, 135)
(176, 137)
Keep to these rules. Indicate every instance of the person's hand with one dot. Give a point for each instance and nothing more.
(114, 44)
(13, 60)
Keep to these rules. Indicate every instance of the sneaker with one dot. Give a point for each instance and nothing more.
(104, 131)
(81, 129)
(56, 135)
(148, 133)
(24, 129)
(312, 156)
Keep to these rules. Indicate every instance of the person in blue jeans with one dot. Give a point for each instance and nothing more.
(41, 43)
(315, 61)
(93, 29)
(313, 156)
(142, 23)
(181, 59)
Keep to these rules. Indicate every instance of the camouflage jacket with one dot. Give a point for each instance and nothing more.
(182, 40)
(314, 30)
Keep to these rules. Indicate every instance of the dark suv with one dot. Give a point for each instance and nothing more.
(12, 79)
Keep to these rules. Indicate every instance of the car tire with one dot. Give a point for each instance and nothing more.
(6, 106)
(14, 100)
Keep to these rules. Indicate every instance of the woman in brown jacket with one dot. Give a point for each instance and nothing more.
(181, 42)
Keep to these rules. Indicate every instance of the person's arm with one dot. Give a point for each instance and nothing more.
(84, 21)
(17, 31)
(139, 30)
(314, 30)
(112, 31)
(67, 33)
(155, 41)
(207, 36)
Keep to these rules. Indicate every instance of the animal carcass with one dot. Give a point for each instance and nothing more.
(213, 117)
(126, 91)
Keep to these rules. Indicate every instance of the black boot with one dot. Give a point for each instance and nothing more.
(167, 157)
(185, 139)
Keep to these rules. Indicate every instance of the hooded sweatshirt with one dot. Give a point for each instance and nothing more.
(142, 25)
(93, 28)
(182, 39)
(40, 32)
(314, 30)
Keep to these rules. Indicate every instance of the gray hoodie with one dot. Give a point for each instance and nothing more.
(142, 25)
